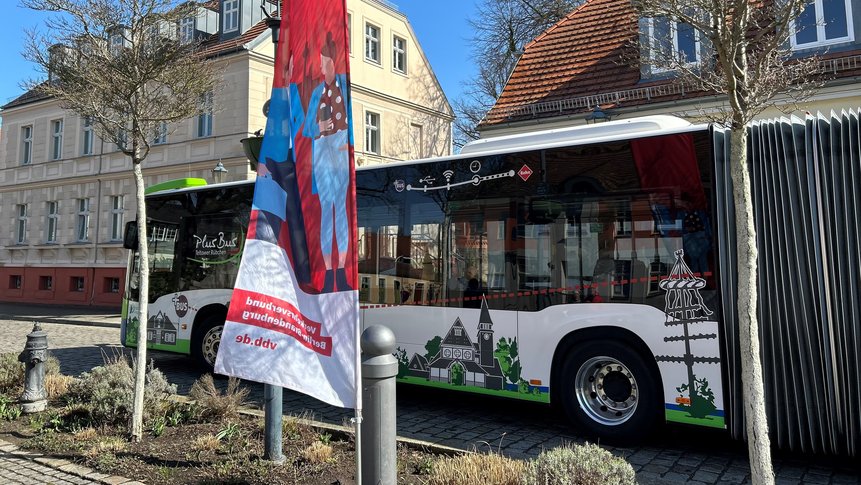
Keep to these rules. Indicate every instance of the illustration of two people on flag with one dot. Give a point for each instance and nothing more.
(327, 124)
(317, 129)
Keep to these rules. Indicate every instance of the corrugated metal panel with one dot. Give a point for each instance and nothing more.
(806, 176)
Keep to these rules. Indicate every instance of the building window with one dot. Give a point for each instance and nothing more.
(122, 139)
(77, 284)
(823, 22)
(15, 282)
(350, 33)
(117, 211)
(56, 139)
(372, 132)
(670, 41)
(26, 144)
(117, 41)
(46, 283)
(381, 290)
(204, 118)
(87, 142)
(53, 217)
(399, 55)
(21, 226)
(372, 43)
(112, 285)
(186, 29)
(82, 230)
(160, 136)
(231, 15)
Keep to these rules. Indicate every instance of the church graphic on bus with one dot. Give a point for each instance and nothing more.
(461, 361)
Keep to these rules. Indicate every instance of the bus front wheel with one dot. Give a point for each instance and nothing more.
(610, 392)
(204, 345)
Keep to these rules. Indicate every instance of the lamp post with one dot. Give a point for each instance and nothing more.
(597, 116)
(219, 173)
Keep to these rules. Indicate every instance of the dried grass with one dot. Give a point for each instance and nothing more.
(489, 469)
(57, 385)
(215, 405)
(110, 444)
(318, 452)
(86, 434)
(206, 442)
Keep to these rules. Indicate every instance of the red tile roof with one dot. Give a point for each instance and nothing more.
(585, 59)
(212, 47)
(579, 55)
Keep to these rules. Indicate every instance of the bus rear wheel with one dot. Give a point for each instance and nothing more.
(610, 392)
(205, 343)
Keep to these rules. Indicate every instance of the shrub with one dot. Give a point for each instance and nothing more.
(9, 409)
(578, 465)
(108, 391)
(213, 405)
(52, 366)
(11, 374)
(490, 469)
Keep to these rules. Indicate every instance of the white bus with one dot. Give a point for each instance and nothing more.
(578, 267)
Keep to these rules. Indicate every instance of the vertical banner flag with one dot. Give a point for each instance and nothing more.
(293, 320)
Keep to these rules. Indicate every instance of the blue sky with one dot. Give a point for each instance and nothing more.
(441, 27)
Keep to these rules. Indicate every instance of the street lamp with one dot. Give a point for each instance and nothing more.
(597, 116)
(219, 173)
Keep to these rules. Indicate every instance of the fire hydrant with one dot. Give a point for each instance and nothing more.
(34, 356)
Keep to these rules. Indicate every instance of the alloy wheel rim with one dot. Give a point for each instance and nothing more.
(606, 390)
(211, 341)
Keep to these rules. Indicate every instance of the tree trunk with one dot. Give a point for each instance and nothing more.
(143, 254)
(759, 446)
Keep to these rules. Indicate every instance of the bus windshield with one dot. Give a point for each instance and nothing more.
(194, 239)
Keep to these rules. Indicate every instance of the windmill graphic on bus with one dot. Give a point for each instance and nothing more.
(685, 309)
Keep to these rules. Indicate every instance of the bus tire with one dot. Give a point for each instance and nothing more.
(206, 340)
(610, 392)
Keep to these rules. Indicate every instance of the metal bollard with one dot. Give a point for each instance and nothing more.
(34, 356)
(378, 440)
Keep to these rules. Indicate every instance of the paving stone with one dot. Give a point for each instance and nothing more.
(660, 470)
(673, 477)
(786, 481)
(705, 476)
(815, 478)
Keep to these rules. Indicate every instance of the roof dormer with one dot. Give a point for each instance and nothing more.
(237, 16)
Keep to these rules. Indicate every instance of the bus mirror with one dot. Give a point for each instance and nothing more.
(130, 237)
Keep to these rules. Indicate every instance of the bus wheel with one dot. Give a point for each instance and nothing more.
(204, 345)
(610, 392)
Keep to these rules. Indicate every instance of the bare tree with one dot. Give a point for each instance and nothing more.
(122, 65)
(502, 28)
(750, 63)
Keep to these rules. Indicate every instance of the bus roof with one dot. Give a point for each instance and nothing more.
(579, 135)
(175, 184)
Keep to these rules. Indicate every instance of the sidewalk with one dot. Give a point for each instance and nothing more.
(77, 315)
(23, 467)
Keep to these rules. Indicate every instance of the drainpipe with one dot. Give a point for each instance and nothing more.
(98, 218)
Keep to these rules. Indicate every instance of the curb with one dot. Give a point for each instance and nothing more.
(344, 431)
(10, 450)
(63, 321)
(347, 430)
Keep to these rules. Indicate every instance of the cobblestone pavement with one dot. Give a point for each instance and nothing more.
(518, 429)
(22, 467)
